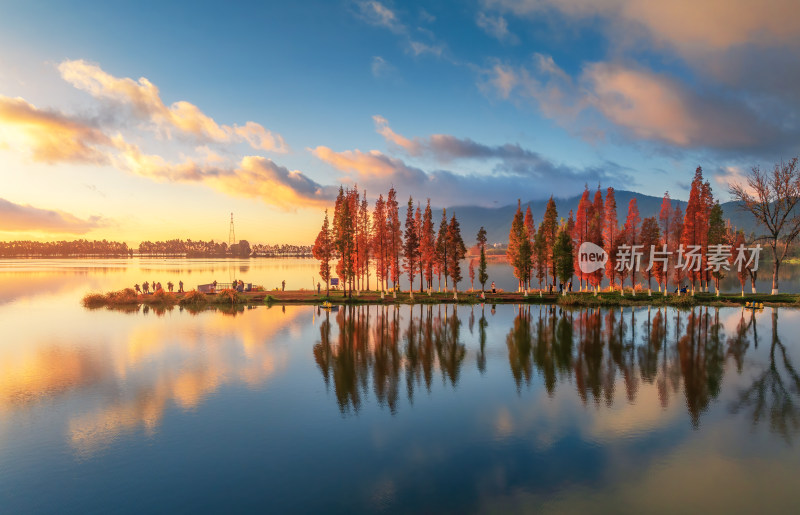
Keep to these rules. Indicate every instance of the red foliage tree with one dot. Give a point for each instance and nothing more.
(693, 223)
(410, 246)
(580, 233)
(365, 241)
(515, 236)
(441, 250)
(610, 235)
(456, 250)
(395, 237)
(665, 224)
(323, 251)
(650, 238)
(379, 241)
(427, 245)
(677, 231)
(550, 230)
(530, 228)
(596, 228)
(632, 232)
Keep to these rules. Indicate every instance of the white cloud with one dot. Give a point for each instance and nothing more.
(181, 117)
(496, 26)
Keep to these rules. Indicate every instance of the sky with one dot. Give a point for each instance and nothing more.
(135, 121)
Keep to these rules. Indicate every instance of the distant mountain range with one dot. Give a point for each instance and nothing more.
(497, 220)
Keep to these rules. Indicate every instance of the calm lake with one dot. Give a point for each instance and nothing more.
(462, 409)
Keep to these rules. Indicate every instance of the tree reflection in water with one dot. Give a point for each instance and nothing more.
(595, 349)
(773, 394)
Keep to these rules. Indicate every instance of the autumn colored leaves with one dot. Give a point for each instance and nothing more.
(547, 251)
(360, 241)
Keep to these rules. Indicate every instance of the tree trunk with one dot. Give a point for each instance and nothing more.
(775, 273)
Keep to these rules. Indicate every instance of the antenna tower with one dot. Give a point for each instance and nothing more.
(231, 234)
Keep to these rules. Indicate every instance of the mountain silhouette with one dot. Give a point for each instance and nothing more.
(497, 220)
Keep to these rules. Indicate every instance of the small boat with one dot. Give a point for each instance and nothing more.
(327, 305)
(754, 305)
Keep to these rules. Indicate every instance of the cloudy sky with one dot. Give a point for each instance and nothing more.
(155, 120)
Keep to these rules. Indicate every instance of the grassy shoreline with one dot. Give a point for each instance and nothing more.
(128, 297)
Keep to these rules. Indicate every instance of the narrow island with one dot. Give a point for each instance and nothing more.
(128, 298)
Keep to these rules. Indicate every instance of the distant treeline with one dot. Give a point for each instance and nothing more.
(190, 248)
(170, 248)
(76, 248)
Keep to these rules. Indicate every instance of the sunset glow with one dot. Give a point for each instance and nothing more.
(114, 136)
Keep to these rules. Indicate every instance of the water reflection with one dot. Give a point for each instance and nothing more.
(374, 341)
(128, 378)
(773, 394)
(682, 353)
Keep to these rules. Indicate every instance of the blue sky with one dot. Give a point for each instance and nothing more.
(106, 107)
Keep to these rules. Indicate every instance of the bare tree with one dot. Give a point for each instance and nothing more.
(772, 198)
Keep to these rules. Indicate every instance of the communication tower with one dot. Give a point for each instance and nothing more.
(231, 234)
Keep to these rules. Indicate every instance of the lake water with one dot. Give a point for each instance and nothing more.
(24, 278)
(383, 409)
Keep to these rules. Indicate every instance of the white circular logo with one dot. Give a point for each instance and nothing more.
(591, 257)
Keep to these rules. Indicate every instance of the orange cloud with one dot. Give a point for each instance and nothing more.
(645, 105)
(382, 127)
(689, 26)
(648, 105)
(54, 137)
(373, 163)
(254, 177)
(23, 218)
(183, 117)
(652, 106)
(50, 136)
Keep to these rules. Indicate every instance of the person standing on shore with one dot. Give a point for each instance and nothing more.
(494, 290)
(138, 290)
(146, 287)
(180, 286)
(283, 285)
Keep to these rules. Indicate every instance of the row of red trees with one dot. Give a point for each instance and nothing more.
(534, 252)
(360, 239)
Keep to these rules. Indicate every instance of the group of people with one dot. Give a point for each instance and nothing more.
(145, 288)
(561, 287)
(236, 285)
